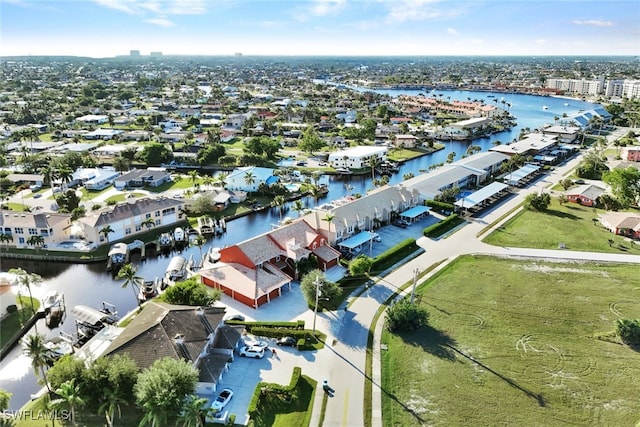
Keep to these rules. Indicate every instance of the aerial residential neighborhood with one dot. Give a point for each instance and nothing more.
(338, 222)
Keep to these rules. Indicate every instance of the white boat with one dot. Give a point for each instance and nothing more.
(179, 236)
(177, 268)
(51, 300)
(544, 107)
(165, 240)
(118, 256)
(566, 104)
(149, 290)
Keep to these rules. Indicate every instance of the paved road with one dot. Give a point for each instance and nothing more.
(343, 363)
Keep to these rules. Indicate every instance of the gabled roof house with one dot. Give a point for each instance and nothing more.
(259, 269)
(195, 334)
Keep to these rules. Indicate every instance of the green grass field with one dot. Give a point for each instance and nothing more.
(516, 342)
(571, 224)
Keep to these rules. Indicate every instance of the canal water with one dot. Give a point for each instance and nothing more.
(91, 285)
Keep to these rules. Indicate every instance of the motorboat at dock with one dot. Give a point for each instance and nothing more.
(118, 256)
(177, 268)
(149, 289)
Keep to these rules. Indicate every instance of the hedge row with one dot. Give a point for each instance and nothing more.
(439, 206)
(272, 387)
(441, 227)
(250, 326)
(379, 262)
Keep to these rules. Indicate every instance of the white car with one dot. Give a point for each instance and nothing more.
(376, 237)
(221, 401)
(252, 351)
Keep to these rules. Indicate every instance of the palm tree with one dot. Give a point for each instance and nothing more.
(4, 239)
(65, 175)
(105, 232)
(200, 241)
(298, 206)
(35, 240)
(149, 223)
(69, 393)
(329, 218)
(315, 192)
(34, 348)
(110, 404)
(26, 279)
(194, 176)
(221, 179)
(208, 181)
(249, 179)
(373, 162)
(193, 411)
(278, 202)
(128, 274)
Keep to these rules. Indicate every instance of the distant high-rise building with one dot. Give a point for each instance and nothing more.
(156, 54)
(238, 54)
(134, 53)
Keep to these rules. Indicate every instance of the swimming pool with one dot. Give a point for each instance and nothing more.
(292, 187)
(464, 194)
(76, 245)
(287, 162)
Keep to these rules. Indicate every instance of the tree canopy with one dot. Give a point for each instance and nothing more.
(161, 389)
(625, 184)
(191, 292)
(327, 288)
(405, 316)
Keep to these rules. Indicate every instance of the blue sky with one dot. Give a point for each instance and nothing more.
(102, 28)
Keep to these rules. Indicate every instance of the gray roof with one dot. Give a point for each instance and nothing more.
(151, 335)
(130, 209)
(138, 174)
(589, 191)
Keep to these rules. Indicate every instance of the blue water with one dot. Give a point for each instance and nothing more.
(91, 284)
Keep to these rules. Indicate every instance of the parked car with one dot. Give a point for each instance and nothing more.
(287, 341)
(400, 223)
(238, 317)
(221, 401)
(252, 351)
(376, 237)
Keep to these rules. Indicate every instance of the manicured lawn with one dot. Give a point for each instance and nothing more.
(274, 411)
(516, 342)
(12, 323)
(570, 224)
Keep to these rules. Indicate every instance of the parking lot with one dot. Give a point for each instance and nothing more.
(244, 374)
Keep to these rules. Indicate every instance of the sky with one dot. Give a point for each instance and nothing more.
(106, 28)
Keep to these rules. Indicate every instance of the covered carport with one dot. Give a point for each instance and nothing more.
(482, 197)
(415, 213)
(522, 175)
(356, 241)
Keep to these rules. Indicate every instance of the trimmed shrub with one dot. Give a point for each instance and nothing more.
(439, 207)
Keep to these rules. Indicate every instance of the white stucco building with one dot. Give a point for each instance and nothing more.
(357, 157)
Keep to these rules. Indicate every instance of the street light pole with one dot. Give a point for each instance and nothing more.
(315, 309)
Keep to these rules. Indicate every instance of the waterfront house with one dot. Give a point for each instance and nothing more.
(104, 134)
(249, 178)
(26, 179)
(259, 269)
(341, 219)
(93, 119)
(153, 177)
(621, 223)
(94, 178)
(586, 195)
(52, 227)
(405, 141)
(197, 335)
(131, 218)
(357, 157)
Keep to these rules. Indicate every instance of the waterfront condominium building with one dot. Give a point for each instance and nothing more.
(577, 86)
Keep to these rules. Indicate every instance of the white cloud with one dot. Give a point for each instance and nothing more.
(593, 22)
(187, 7)
(453, 31)
(163, 22)
(121, 5)
(420, 10)
(327, 7)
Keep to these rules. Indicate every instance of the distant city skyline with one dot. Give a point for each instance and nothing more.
(107, 28)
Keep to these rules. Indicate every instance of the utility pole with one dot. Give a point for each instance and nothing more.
(415, 280)
(315, 309)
